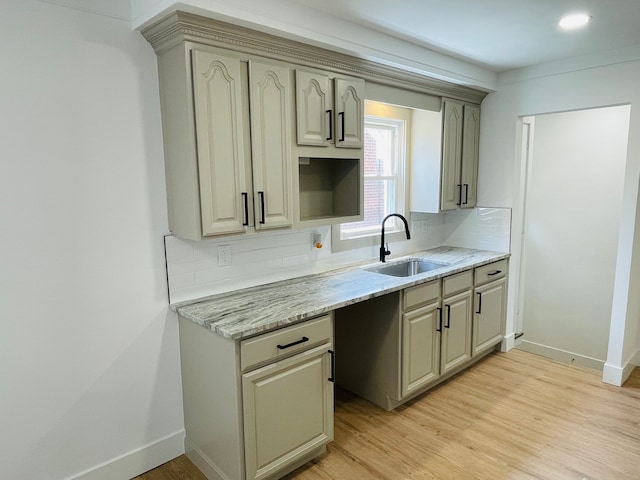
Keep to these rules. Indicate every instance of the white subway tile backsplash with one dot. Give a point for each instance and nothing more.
(269, 256)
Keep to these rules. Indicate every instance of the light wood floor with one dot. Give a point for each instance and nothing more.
(514, 415)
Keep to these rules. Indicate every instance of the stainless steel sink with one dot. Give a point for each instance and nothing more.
(406, 268)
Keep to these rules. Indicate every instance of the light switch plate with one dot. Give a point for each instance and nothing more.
(224, 255)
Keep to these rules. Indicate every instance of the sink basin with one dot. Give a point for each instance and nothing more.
(406, 268)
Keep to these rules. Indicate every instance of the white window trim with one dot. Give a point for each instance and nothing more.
(375, 110)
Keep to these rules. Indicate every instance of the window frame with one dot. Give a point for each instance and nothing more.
(384, 114)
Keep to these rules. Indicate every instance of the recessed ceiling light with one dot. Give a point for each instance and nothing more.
(574, 20)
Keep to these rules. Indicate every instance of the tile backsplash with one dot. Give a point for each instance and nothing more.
(269, 256)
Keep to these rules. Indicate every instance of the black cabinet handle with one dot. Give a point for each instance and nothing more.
(246, 209)
(494, 273)
(459, 194)
(330, 113)
(292, 344)
(341, 115)
(439, 329)
(261, 195)
(332, 378)
(466, 193)
(479, 303)
(448, 324)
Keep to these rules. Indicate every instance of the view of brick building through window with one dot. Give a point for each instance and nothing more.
(381, 152)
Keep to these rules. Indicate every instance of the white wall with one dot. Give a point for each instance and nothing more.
(89, 364)
(500, 175)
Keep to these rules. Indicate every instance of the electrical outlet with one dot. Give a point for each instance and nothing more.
(224, 255)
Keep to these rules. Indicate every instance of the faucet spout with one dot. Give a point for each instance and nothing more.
(384, 250)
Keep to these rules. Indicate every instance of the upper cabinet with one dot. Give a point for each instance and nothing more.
(270, 94)
(203, 96)
(349, 107)
(244, 114)
(329, 111)
(227, 169)
(217, 94)
(444, 151)
(314, 110)
(460, 141)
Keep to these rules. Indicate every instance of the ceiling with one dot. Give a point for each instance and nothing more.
(498, 35)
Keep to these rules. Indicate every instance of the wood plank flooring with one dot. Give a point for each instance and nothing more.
(513, 415)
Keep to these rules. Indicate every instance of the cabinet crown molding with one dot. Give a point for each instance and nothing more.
(180, 27)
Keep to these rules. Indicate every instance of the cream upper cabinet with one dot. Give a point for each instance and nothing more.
(329, 111)
(451, 155)
(460, 145)
(349, 107)
(314, 109)
(204, 97)
(470, 155)
(270, 92)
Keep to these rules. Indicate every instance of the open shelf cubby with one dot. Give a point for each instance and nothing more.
(329, 187)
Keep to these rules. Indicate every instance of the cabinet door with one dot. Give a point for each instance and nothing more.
(456, 331)
(217, 90)
(314, 112)
(349, 108)
(288, 411)
(420, 347)
(270, 96)
(470, 147)
(451, 188)
(489, 315)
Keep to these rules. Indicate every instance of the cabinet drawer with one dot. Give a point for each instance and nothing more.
(457, 283)
(420, 295)
(284, 342)
(490, 272)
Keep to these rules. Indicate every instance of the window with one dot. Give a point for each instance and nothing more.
(385, 158)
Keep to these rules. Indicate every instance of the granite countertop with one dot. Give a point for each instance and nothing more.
(250, 311)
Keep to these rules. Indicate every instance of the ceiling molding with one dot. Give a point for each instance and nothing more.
(180, 26)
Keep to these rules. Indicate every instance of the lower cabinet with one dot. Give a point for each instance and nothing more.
(456, 332)
(490, 305)
(421, 347)
(261, 407)
(288, 411)
(409, 341)
(436, 338)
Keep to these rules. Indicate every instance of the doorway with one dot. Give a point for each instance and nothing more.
(575, 164)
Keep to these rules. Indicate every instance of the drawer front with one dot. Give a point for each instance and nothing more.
(420, 295)
(282, 343)
(457, 283)
(491, 272)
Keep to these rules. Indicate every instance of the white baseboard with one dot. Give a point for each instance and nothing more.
(561, 355)
(138, 461)
(615, 375)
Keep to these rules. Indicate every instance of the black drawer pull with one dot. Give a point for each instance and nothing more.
(302, 340)
(246, 209)
(439, 329)
(448, 324)
(494, 273)
(479, 311)
(332, 378)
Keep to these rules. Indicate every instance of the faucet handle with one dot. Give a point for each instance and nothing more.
(386, 249)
